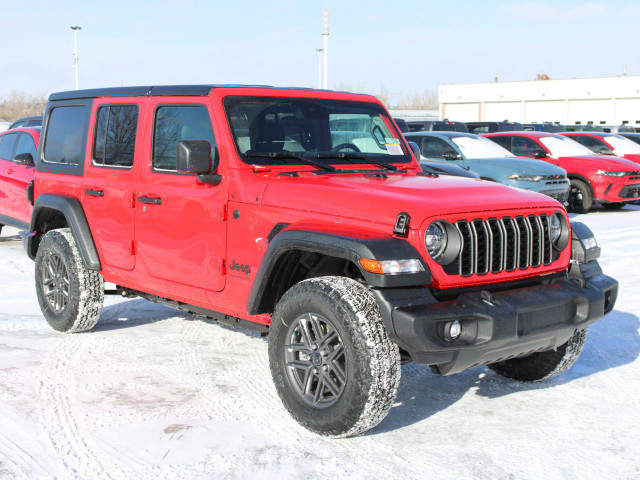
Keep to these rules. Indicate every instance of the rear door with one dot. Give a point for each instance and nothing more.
(180, 222)
(18, 177)
(110, 178)
(7, 147)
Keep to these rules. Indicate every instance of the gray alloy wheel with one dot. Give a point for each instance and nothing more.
(315, 360)
(55, 283)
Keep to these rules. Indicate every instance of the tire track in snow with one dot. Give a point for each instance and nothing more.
(68, 435)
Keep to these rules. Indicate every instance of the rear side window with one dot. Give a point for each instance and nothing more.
(115, 135)
(35, 123)
(65, 135)
(175, 123)
(26, 145)
(524, 147)
(504, 142)
(7, 144)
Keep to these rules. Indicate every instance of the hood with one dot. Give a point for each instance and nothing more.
(381, 199)
(605, 162)
(509, 165)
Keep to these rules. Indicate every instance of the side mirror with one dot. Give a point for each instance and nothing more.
(540, 154)
(25, 159)
(451, 155)
(604, 150)
(194, 156)
(415, 149)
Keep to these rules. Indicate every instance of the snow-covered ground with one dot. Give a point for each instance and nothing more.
(152, 394)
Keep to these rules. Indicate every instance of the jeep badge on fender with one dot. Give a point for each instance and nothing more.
(349, 286)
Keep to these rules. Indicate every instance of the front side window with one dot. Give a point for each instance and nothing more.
(480, 147)
(524, 147)
(65, 135)
(271, 130)
(26, 145)
(593, 144)
(115, 135)
(434, 147)
(175, 123)
(7, 145)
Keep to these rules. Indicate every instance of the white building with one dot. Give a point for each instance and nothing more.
(606, 101)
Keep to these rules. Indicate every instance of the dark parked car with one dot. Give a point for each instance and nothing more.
(436, 126)
(543, 127)
(479, 128)
(631, 136)
(402, 125)
(26, 122)
(583, 128)
(618, 129)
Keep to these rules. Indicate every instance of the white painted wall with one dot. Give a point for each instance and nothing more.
(611, 100)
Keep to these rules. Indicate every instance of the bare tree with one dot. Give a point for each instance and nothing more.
(425, 100)
(20, 104)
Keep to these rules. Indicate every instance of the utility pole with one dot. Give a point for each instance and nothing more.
(75, 51)
(319, 50)
(325, 34)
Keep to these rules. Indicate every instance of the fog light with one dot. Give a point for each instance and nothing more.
(455, 329)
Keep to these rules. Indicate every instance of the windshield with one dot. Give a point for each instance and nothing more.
(480, 147)
(564, 147)
(623, 146)
(310, 127)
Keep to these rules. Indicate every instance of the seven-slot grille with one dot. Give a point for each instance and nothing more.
(502, 244)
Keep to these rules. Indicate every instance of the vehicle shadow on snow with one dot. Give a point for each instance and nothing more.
(611, 342)
(137, 312)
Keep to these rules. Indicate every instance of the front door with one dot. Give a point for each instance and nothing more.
(180, 222)
(18, 178)
(110, 178)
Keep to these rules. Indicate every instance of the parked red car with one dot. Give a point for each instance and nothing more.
(605, 179)
(17, 154)
(607, 144)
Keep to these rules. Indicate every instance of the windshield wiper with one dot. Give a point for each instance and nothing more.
(293, 156)
(357, 156)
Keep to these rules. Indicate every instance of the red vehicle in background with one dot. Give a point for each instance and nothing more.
(604, 179)
(17, 154)
(607, 144)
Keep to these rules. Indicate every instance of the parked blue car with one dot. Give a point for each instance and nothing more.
(492, 162)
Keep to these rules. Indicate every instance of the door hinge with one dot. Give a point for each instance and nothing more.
(225, 209)
(133, 247)
(222, 267)
(133, 200)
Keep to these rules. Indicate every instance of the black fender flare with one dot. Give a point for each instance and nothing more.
(339, 246)
(74, 215)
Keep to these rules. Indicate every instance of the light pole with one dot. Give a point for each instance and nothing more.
(75, 51)
(325, 34)
(319, 50)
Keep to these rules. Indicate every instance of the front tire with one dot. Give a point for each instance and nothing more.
(580, 199)
(333, 365)
(543, 365)
(70, 295)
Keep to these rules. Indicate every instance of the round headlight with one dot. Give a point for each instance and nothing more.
(556, 228)
(435, 240)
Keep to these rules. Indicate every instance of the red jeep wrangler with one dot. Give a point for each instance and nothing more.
(610, 181)
(304, 214)
(17, 157)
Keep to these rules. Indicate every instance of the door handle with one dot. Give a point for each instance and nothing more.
(151, 200)
(94, 193)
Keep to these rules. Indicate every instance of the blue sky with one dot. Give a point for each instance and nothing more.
(406, 46)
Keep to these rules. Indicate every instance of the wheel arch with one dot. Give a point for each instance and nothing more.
(58, 211)
(577, 176)
(294, 255)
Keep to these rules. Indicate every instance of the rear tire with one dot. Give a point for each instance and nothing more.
(70, 295)
(356, 370)
(580, 199)
(543, 365)
(613, 205)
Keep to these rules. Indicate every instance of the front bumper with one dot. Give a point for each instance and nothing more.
(495, 326)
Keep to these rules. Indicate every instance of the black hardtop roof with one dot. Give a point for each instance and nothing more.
(160, 90)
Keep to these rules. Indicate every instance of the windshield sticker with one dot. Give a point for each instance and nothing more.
(393, 146)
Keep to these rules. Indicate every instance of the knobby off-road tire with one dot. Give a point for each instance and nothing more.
(580, 199)
(361, 382)
(543, 365)
(70, 295)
